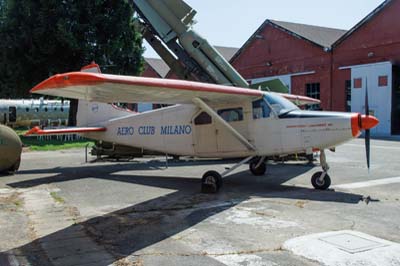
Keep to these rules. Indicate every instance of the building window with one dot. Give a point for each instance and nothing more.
(348, 95)
(232, 114)
(357, 83)
(382, 81)
(203, 119)
(313, 91)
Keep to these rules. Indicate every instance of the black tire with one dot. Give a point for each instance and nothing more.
(317, 184)
(211, 182)
(260, 170)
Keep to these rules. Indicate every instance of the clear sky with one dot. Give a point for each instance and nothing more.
(231, 22)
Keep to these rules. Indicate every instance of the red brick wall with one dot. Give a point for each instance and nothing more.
(287, 54)
(378, 40)
(339, 78)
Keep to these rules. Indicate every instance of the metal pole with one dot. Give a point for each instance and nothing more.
(86, 148)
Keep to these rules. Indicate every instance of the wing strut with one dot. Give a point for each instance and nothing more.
(202, 105)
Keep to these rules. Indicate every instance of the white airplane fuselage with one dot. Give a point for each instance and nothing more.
(31, 112)
(181, 130)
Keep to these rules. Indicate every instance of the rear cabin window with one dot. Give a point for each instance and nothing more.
(261, 109)
(232, 114)
(203, 119)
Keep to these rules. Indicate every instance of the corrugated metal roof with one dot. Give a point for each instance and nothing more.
(226, 52)
(322, 36)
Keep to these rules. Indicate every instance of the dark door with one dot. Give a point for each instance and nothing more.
(12, 114)
(396, 101)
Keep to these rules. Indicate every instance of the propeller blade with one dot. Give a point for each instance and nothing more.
(366, 101)
(367, 145)
(367, 132)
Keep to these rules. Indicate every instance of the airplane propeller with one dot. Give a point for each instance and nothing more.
(366, 122)
(367, 131)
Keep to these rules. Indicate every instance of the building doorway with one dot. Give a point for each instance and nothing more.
(396, 101)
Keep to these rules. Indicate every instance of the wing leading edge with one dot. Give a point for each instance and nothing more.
(115, 88)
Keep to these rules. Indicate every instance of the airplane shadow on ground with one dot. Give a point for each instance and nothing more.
(131, 229)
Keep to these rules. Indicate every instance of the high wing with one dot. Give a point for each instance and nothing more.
(115, 88)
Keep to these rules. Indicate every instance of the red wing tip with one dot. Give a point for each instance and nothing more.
(32, 131)
(68, 79)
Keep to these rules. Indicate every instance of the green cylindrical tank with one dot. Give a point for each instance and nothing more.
(10, 150)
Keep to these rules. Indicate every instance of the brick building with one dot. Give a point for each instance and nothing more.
(300, 55)
(368, 56)
(333, 65)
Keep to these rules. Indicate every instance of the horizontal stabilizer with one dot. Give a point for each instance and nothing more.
(67, 130)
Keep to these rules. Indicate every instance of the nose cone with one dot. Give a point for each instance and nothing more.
(368, 121)
(362, 122)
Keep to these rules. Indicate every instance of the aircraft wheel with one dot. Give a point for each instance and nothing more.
(211, 182)
(322, 185)
(260, 170)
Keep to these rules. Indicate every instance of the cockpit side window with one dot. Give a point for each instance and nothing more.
(231, 114)
(261, 109)
(203, 119)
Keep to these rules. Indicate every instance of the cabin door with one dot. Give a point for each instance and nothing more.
(226, 142)
(205, 140)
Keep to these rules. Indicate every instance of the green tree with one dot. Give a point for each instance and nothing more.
(45, 37)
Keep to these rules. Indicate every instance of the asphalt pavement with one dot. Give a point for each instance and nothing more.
(59, 210)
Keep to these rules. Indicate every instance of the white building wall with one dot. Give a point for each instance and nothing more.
(380, 98)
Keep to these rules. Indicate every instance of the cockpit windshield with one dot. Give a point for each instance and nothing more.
(279, 104)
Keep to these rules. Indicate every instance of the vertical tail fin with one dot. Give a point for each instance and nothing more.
(93, 113)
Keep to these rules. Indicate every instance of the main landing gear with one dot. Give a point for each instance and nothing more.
(212, 180)
(258, 166)
(321, 180)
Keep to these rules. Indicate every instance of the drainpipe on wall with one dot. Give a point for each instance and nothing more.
(331, 77)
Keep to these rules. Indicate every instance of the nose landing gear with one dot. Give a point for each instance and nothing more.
(321, 180)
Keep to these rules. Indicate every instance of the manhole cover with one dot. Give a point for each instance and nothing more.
(351, 243)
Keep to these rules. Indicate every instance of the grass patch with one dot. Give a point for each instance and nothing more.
(56, 197)
(52, 143)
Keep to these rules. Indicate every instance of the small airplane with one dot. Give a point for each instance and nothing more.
(10, 150)
(207, 120)
(33, 112)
